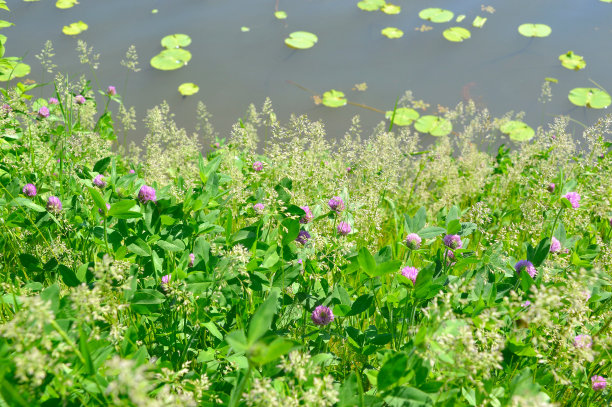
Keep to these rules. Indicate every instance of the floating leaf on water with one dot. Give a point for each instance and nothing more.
(606, 1)
(188, 89)
(176, 41)
(456, 34)
(434, 125)
(170, 59)
(460, 18)
(534, 30)
(245, 29)
(553, 80)
(281, 15)
(392, 32)
(11, 68)
(333, 98)
(154, 11)
(362, 87)
(4, 24)
(63, 4)
(301, 40)
(390, 9)
(436, 15)
(517, 130)
(404, 116)
(371, 5)
(2, 39)
(590, 97)
(572, 61)
(74, 28)
(479, 21)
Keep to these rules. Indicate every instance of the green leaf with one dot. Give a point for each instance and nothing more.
(4, 24)
(479, 22)
(188, 89)
(386, 268)
(262, 319)
(456, 34)
(147, 297)
(517, 130)
(25, 202)
(123, 210)
(273, 351)
(408, 396)
(75, 28)
(64, 4)
(361, 304)
(101, 165)
(281, 15)
(171, 59)
(590, 97)
(333, 98)
(12, 68)
(301, 40)
(171, 245)
(366, 261)
(98, 199)
(404, 116)
(139, 247)
(104, 126)
(237, 340)
(392, 371)
(176, 41)
(436, 15)
(431, 231)
(467, 228)
(534, 30)
(289, 230)
(434, 125)
(390, 9)
(371, 5)
(392, 32)
(453, 227)
(68, 276)
(572, 61)
(540, 252)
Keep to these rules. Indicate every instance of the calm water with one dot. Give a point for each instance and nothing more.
(497, 67)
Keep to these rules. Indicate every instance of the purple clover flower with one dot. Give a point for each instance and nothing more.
(6, 109)
(598, 382)
(308, 217)
(79, 99)
(99, 181)
(259, 207)
(191, 259)
(53, 101)
(54, 205)
(258, 166)
(107, 209)
(410, 273)
(526, 304)
(583, 341)
(551, 187)
(216, 145)
(450, 257)
(302, 237)
(132, 172)
(413, 241)
(527, 266)
(165, 279)
(111, 91)
(574, 198)
(322, 315)
(344, 228)
(43, 112)
(453, 241)
(147, 194)
(29, 190)
(555, 245)
(336, 204)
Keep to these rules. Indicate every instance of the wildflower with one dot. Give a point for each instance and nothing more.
(258, 166)
(29, 190)
(80, 99)
(6, 109)
(307, 218)
(191, 259)
(216, 145)
(413, 241)
(165, 279)
(259, 207)
(43, 112)
(107, 208)
(349, 169)
(574, 198)
(322, 315)
(99, 181)
(450, 257)
(551, 187)
(146, 194)
(111, 91)
(336, 204)
(302, 237)
(132, 172)
(54, 205)
(53, 101)
(344, 228)
(526, 304)
(527, 266)
(555, 245)
(410, 273)
(583, 341)
(599, 382)
(453, 241)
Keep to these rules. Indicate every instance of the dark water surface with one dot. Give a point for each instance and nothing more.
(497, 67)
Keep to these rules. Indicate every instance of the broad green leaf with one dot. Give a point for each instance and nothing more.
(4, 24)
(436, 15)
(171, 245)
(170, 59)
(147, 297)
(126, 209)
(262, 319)
(333, 98)
(361, 304)
(371, 5)
(404, 116)
(460, 18)
(392, 32)
(11, 68)
(517, 130)
(366, 261)
(75, 28)
(590, 97)
(139, 247)
(534, 30)
(456, 34)
(434, 125)
(98, 199)
(281, 15)
(301, 40)
(176, 41)
(572, 61)
(27, 203)
(188, 89)
(431, 231)
(392, 371)
(479, 22)
(63, 4)
(390, 9)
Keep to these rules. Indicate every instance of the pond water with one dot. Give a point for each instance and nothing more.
(496, 67)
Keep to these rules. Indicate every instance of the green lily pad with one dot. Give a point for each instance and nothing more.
(371, 5)
(392, 32)
(170, 59)
(301, 40)
(479, 22)
(390, 9)
(404, 116)
(11, 68)
(460, 18)
(281, 15)
(456, 34)
(517, 131)
(245, 29)
(572, 61)
(606, 1)
(63, 4)
(434, 125)
(534, 30)
(188, 89)
(333, 98)
(436, 15)
(176, 41)
(590, 97)
(4, 24)
(154, 11)
(2, 39)
(75, 28)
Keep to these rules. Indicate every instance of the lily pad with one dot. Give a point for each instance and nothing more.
(517, 130)
(572, 61)
(333, 98)
(75, 28)
(456, 34)
(188, 89)
(434, 125)
(170, 59)
(392, 32)
(436, 15)
(404, 116)
(301, 40)
(176, 41)
(371, 5)
(11, 68)
(4, 24)
(245, 29)
(479, 21)
(390, 9)
(281, 15)
(460, 18)
(63, 4)
(534, 30)
(590, 97)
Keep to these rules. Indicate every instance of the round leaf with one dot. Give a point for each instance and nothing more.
(479, 21)
(63, 4)
(456, 34)
(404, 116)
(171, 59)
(371, 5)
(245, 29)
(301, 40)
(590, 97)
(517, 130)
(534, 30)
(572, 61)
(188, 89)
(74, 28)
(12, 68)
(334, 98)
(434, 125)
(392, 32)
(281, 15)
(436, 15)
(176, 41)
(390, 9)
